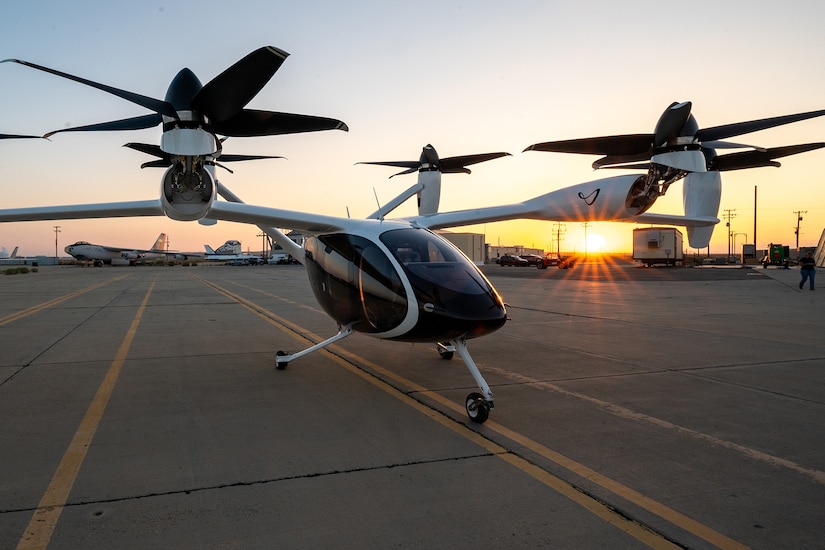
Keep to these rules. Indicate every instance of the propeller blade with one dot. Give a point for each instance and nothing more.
(608, 161)
(739, 128)
(157, 164)
(249, 122)
(628, 144)
(225, 95)
(16, 136)
(135, 123)
(149, 149)
(729, 145)
(457, 164)
(238, 158)
(398, 163)
(409, 171)
(156, 105)
(755, 159)
(670, 123)
(639, 166)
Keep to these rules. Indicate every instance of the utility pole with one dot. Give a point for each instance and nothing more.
(56, 231)
(263, 244)
(585, 225)
(798, 219)
(558, 230)
(729, 214)
(754, 219)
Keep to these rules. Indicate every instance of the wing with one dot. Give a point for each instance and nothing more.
(276, 217)
(83, 211)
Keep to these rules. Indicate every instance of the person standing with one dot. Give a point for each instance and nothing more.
(808, 270)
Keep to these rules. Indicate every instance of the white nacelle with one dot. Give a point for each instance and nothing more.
(188, 142)
(600, 200)
(187, 195)
(701, 196)
(430, 194)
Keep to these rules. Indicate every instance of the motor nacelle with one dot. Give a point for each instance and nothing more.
(187, 189)
(619, 197)
(131, 255)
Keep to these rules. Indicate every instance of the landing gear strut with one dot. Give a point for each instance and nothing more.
(283, 358)
(478, 405)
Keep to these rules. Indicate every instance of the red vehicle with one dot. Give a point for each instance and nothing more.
(562, 262)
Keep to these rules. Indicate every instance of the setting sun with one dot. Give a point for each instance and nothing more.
(595, 242)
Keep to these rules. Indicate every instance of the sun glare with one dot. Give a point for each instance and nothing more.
(595, 243)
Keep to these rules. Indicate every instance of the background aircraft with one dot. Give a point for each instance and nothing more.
(101, 254)
(230, 250)
(396, 279)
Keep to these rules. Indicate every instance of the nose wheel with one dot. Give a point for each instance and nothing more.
(477, 408)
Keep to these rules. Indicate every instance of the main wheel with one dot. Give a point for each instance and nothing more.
(280, 365)
(477, 408)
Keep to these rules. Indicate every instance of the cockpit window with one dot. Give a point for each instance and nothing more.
(433, 259)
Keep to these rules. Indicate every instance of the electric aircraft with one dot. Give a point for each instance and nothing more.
(397, 279)
(101, 254)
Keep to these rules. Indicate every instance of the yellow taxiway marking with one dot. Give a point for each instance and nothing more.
(17, 315)
(41, 526)
(640, 532)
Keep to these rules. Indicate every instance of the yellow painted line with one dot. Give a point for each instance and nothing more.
(41, 526)
(599, 509)
(17, 315)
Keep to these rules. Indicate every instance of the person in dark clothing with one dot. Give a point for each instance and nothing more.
(808, 270)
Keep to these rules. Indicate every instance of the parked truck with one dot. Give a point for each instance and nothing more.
(658, 245)
(777, 254)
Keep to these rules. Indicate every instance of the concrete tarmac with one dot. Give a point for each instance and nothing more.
(635, 407)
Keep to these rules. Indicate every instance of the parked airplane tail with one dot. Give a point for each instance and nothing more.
(160, 244)
(701, 195)
(208, 249)
(14, 252)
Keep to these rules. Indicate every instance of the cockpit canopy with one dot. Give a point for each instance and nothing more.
(412, 285)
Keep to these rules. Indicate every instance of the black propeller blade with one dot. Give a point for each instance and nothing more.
(218, 106)
(628, 144)
(756, 159)
(739, 128)
(225, 95)
(249, 123)
(16, 136)
(451, 165)
(675, 122)
(429, 161)
(166, 159)
(161, 107)
(135, 123)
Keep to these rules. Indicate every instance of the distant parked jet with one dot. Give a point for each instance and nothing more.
(100, 254)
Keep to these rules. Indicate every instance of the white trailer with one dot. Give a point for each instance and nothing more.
(658, 245)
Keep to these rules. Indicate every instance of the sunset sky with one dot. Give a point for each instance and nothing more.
(467, 77)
